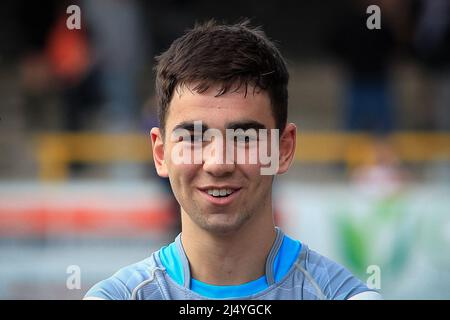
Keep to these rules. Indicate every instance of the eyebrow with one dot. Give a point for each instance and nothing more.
(245, 125)
(234, 125)
(189, 126)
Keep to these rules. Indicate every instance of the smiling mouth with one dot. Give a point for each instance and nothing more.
(220, 195)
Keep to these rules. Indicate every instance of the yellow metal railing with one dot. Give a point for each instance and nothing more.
(55, 151)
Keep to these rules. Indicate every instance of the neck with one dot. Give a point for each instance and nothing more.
(229, 259)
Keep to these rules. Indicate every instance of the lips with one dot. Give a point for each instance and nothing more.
(220, 195)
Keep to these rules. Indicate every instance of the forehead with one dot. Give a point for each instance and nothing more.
(215, 111)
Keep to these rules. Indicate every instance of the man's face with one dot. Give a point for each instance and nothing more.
(196, 186)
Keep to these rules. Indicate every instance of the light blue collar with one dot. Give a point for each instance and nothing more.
(283, 254)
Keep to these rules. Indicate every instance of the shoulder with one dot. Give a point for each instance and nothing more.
(330, 280)
(124, 283)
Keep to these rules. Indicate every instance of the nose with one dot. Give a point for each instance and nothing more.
(215, 163)
(218, 170)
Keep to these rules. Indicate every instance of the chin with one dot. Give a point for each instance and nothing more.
(221, 229)
(222, 224)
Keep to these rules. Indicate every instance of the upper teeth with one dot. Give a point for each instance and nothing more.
(219, 192)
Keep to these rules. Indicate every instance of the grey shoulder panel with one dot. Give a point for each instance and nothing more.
(329, 279)
(129, 282)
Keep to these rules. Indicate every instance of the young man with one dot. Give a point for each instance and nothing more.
(214, 81)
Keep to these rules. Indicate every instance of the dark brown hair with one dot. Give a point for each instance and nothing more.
(232, 56)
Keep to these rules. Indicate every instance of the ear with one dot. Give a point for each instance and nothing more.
(158, 152)
(288, 142)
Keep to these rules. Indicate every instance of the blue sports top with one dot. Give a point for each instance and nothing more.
(175, 262)
(292, 271)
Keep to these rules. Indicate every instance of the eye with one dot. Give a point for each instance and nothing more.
(245, 138)
(191, 138)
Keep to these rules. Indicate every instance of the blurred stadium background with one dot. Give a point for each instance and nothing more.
(369, 186)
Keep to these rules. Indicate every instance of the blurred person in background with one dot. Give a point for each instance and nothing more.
(369, 103)
(57, 68)
(59, 75)
(70, 56)
(118, 47)
(118, 44)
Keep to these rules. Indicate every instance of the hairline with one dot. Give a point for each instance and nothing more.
(236, 84)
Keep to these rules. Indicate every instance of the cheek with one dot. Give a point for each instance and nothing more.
(175, 166)
(181, 177)
(184, 173)
(252, 172)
